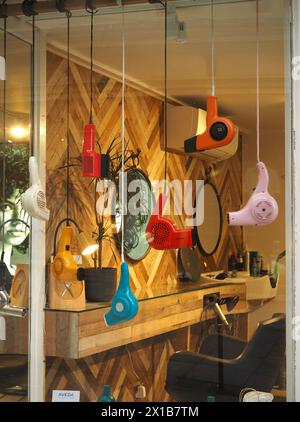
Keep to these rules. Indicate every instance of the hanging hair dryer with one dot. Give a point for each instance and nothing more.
(33, 201)
(219, 130)
(124, 305)
(261, 209)
(161, 233)
(64, 265)
(93, 163)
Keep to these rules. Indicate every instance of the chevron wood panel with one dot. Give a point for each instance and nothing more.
(143, 131)
(122, 368)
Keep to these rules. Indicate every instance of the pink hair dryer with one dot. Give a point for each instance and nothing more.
(261, 209)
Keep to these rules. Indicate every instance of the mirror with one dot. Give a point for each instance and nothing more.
(209, 233)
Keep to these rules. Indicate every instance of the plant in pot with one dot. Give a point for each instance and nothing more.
(100, 281)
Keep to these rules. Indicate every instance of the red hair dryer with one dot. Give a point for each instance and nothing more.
(161, 233)
(219, 130)
(93, 163)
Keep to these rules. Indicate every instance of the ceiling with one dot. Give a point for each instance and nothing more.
(189, 63)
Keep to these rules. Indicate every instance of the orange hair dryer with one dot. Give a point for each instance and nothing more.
(219, 130)
(64, 264)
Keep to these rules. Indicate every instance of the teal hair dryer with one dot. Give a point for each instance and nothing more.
(124, 305)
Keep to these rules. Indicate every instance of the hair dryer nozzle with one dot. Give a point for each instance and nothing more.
(124, 305)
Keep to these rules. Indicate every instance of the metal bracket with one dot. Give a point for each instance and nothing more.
(3, 10)
(89, 6)
(61, 6)
(28, 8)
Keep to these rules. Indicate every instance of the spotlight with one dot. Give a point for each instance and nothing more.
(19, 132)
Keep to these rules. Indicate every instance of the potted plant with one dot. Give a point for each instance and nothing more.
(100, 282)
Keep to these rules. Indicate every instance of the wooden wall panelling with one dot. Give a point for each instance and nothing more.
(114, 367)
(143, 131)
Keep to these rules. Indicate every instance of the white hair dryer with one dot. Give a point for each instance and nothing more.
(34, 199)
(261, 209)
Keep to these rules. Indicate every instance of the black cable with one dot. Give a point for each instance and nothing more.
(68, 14)
(92, 12)
(4, 124)
(166, 94)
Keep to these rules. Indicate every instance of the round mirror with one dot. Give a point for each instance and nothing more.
(136, 245)
(210, 231)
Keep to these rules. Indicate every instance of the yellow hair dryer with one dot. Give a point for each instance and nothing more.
(64, 265)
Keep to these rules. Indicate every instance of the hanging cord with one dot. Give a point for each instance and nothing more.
(68, 14)
(4, 128)
(166, 96)
(92, 13)
(33, 82)
(212, 23)
(257, 84)
(123, 136)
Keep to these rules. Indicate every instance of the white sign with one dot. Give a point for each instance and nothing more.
(2, 69)
(2, 329)
(65, 396)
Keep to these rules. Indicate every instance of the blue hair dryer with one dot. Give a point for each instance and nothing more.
(124, 305)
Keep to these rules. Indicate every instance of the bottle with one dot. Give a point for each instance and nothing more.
(106, 395)
(232, 263)
(246, 260)
(240, 262)
(211, 399)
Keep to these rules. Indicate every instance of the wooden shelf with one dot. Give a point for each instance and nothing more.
(77, 334)
(80, 334)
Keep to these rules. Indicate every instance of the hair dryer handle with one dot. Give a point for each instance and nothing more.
(34, 171)
(211, 108)
(160, 203)
(124, 280)
(89, 138)
(65, 239)
(263, 178)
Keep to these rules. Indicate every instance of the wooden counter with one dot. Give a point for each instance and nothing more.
(77, 334)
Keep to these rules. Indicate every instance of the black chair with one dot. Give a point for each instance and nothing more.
(195, 376)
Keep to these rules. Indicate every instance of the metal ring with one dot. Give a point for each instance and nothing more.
(28, 8)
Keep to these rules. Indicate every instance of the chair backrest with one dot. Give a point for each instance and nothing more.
(264, 354)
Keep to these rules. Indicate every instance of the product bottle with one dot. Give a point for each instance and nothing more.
(240, 262)
(246, 259)
(106, 395)
(232, 263)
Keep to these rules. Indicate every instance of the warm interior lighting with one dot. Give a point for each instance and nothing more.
(19, 132)
(87, 247)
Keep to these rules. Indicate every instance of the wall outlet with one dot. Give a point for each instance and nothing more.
(140, 392)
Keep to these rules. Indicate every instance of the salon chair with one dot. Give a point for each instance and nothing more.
(195, 376)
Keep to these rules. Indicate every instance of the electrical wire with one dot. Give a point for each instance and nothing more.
(68, 14)
(166, 96)
(92, 12)
(33, 83)
(4, 128)
(212, 24)
(257, 84)
(123, 137)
